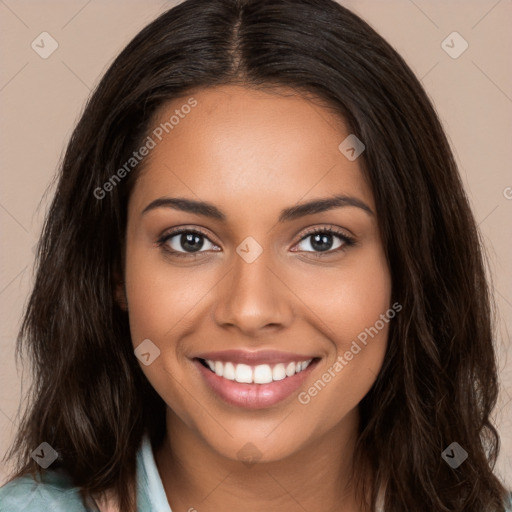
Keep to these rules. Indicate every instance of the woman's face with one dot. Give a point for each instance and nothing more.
(254, 292)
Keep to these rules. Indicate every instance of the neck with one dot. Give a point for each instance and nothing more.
(316, 477)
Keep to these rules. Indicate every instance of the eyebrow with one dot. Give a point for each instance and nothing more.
(294, 212)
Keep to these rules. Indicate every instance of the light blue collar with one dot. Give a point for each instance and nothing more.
(150, 490)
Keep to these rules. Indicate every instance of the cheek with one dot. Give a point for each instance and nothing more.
(348, 299)
(158, 303)
(163, 303)
(161, 297)
(353, 311)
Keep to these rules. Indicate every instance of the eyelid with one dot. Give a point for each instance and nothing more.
(344, 233)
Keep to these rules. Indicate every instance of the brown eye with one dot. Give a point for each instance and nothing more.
(185, 242)
(323, 240)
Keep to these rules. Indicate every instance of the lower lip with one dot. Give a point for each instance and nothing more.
(254, 396)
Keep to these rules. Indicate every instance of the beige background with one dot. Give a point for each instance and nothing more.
(41, 99)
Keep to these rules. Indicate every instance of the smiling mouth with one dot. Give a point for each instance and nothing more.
(259, 374)
(254, 379)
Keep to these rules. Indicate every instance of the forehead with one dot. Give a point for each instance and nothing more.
(248, 147)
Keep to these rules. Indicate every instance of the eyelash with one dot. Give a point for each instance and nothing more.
(348, 241)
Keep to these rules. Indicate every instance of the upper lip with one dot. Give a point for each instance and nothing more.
(255, 357)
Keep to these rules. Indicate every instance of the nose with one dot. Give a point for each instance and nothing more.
(253, 298)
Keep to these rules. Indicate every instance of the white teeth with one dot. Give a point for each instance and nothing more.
(290, 369)
(260, 374)
(229, 371)
(243, 373)
(278, 373)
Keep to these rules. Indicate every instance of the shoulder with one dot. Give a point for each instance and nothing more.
(53, 491)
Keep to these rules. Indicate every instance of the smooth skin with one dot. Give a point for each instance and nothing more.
(252, 154)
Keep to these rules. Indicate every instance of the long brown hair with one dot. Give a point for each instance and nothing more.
(90, 400)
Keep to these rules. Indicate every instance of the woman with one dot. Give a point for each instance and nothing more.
(259, 284)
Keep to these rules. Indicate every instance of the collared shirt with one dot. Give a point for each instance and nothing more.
(56, 493)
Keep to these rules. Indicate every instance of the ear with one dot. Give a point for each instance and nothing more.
(120, 292)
